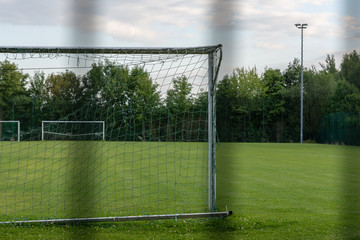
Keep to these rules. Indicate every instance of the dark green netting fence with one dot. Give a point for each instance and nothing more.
(340, 128)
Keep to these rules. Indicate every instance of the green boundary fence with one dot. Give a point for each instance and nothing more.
(340, 128)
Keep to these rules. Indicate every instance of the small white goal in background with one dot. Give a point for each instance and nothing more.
(10, 130)
(73, 130)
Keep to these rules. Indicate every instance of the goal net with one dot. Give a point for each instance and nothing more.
(157, 112)
(9, 130)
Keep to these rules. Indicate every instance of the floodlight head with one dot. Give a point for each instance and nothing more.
(301, 26)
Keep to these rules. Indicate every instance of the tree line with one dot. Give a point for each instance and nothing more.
(127, 99)
(267, 108)
(250, 107)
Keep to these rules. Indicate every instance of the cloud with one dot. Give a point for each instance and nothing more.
(152, 13)
(352, 27)
(269, 46)
(125, 31)
(150, 21)
(128, 20)
(35, 12)
(279, 16)
(314, 2)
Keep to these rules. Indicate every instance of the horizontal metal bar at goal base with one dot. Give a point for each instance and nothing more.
(123, 219)
(73, 121)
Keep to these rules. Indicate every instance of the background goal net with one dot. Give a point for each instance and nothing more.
(73, 130)
(154, 108)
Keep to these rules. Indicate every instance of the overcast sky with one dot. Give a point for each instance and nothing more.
(253, 32)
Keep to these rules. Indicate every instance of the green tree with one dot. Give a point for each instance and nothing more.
(129, 96)
(239, 99)
(249, 90)
(144, 99)
(12, 91)
(93, 82)
(350, 68)
(273, 103)
(345, 98)
(12, 84)
(318, 89)
(64, 93)
(199, 116)
(179, 100)
(225, 98)
(330, 65)
(291, 96)
(38, 95)
(105, 86)
(292, 73)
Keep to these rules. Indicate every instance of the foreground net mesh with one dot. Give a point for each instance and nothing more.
(108, 132)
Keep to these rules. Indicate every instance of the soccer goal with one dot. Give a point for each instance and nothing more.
(157, 107)
(73, 130)
(10, 130)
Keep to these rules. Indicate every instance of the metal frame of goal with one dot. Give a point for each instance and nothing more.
(213, 55)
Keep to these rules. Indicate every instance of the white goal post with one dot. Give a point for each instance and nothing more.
(18, 127)
(159, 157)
(43, 131)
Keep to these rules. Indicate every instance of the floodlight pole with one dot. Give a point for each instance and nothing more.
(302, 27)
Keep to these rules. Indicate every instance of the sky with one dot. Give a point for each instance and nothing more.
(253, 33)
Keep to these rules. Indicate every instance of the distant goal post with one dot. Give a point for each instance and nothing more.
(59, 129)
(15, 132)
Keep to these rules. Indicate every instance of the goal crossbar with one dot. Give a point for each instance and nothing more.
(110, 50)
(75, 135)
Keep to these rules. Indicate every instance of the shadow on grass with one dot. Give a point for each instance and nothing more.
(351, 169)
(351, 194)
(81, 186)
(225, 186)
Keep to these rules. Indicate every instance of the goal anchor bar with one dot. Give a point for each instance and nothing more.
(125, 218)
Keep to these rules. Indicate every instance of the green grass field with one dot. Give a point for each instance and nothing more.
(276, 191)
(44, 180)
